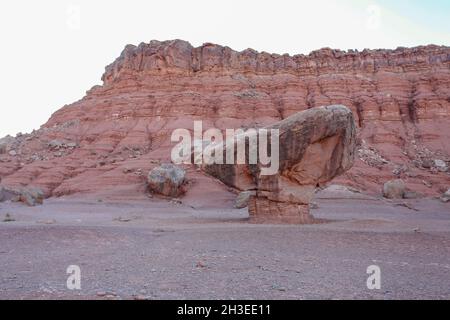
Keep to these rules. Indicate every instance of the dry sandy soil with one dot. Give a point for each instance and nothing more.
(155, 249)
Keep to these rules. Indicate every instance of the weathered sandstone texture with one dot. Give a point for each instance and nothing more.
(107, 140)
(315, 146)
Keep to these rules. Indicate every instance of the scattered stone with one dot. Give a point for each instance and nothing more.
(71, 145)
(167, 179)
(120, 219)
(50, 221)
(399, 170)
(55, 144)
(313, 205)
(176, 201)
(243, 198)
(371, 156)
(127, 170)
(411, 195)
(35, 157)
(12, 153)
(426, 183)
(101, 293)
(111, 294)
(394, 189)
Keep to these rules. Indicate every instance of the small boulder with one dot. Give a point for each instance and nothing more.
(446, 196)
(441, 165)
(167, 179)
(394, 189)
(243, 198)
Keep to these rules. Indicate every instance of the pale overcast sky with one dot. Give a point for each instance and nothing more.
(53, 51)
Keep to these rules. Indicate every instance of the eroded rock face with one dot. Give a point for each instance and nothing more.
(400, 100)
(315, 146)
(167, 179)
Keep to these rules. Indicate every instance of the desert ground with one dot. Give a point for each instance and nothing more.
(375, 121)
(157, 249)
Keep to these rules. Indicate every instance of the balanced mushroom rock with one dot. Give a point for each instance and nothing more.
(315, 146)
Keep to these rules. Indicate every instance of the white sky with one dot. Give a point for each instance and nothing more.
(53, 51)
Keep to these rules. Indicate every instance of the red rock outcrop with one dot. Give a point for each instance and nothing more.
(120, 130)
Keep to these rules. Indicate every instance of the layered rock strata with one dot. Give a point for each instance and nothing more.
(400, 100)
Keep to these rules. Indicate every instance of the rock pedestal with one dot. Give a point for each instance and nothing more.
(263, 210)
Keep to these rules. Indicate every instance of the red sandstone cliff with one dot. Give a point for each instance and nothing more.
(118, 131)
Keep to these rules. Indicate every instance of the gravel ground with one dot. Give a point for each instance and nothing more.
(160, 250)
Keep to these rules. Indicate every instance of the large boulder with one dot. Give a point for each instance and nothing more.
(315, 146)
(8, 194)
(29, 196)
(167, 179)
(394, 189)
